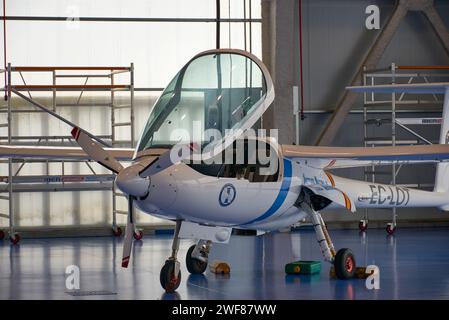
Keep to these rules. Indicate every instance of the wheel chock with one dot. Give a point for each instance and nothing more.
(219, 267)
(303, 267)
(360, 273)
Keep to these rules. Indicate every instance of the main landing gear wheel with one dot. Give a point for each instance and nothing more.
(390, 229)
(194, 265)
(117, 231)
(344, 264)
(138, 235)
(2, 235)
(14, 239)
(169, 281)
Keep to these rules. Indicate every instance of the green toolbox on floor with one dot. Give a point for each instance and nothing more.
(303, 267)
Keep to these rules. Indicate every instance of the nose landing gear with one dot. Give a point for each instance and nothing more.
(170, 276)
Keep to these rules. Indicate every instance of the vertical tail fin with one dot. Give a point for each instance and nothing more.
(442, 175)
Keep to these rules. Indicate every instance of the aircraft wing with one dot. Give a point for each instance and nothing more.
(333, 194)
(72, 153)
(346, 157)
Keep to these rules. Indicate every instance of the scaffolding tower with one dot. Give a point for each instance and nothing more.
(392, 105)
(107, 75)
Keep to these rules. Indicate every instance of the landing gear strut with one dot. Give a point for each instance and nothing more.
(170, 275)
(343, 260)
(197, 257)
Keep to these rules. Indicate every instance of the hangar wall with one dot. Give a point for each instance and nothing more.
(335, 42)
(157, 49)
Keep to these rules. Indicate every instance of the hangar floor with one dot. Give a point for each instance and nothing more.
(413, 265)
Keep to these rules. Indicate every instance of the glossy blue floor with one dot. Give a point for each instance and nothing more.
(413, 265)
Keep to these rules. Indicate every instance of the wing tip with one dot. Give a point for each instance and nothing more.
(75, 132)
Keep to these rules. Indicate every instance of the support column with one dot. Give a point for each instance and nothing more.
(278, 55)
(438, 26)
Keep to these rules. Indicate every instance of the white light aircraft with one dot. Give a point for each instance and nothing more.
(230, 89)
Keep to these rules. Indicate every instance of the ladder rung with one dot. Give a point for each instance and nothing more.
(4, 216)
(121, 124)
(121, 212)
(4, 197)
(122, 106)
(4, 125)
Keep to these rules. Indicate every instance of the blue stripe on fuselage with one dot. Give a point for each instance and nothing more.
(283, 192)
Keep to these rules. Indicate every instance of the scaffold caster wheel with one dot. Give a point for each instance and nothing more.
(2, 235)
(344, 264)
(194, 265)
(363, 225)
(169, 281)
(138, 235)
(117, 231)
(390, 229)
(14, 239)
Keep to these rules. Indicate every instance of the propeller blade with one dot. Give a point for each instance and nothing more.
(128, 242)
(95, 151)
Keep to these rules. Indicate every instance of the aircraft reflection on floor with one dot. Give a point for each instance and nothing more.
(412, 266)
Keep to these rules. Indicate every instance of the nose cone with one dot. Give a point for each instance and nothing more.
(130, 182)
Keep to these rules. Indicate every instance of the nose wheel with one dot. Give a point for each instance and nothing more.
(170, 276)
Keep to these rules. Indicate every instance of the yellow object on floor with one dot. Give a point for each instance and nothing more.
(220, 267)
(360, 273)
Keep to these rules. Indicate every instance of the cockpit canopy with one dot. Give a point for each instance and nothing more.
(216, 91)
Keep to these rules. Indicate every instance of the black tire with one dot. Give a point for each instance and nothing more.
(390, 230)
(168, 281)
(138, 235)
(344, 264)
(194, 266)
(117, 232)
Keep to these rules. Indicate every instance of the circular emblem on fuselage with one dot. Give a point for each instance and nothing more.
(227, 195)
